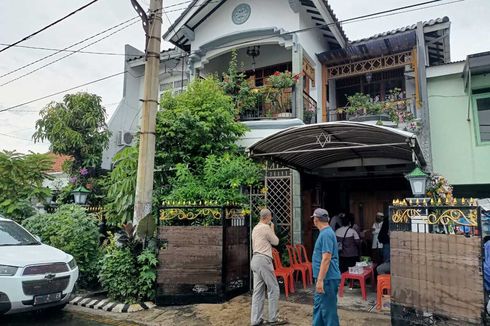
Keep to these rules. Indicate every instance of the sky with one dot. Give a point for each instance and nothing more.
(470, 29)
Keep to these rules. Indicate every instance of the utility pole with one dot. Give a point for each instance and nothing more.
(152, 24)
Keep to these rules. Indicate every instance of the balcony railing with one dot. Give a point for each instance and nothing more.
(399, 104)
(268, 108)
(281, 108)
(310, 109)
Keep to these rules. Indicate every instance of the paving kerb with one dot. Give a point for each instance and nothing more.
(235, 312)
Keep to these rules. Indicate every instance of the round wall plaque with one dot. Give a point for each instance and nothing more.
(241, 13)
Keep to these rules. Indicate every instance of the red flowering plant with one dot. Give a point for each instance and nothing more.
(277, 91)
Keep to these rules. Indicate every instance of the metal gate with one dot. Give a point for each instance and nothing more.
(276, 194)
(436, 263)
(279, 197)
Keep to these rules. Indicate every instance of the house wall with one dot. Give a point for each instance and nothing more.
(269, 55)
(312, 43)
(220, 23)
(455, 152)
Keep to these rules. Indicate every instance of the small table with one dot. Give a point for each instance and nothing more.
(367, 273)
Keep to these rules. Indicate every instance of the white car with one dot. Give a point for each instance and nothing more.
(32, 275)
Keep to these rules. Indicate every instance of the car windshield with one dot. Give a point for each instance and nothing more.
(12, 234)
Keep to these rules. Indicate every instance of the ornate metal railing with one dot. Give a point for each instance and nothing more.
(310, 109)
(370, 65)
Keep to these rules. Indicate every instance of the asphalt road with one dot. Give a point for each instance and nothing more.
(43, 318)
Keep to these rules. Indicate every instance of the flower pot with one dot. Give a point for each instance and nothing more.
(285, 115)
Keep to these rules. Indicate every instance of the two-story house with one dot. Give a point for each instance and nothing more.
(334, 160)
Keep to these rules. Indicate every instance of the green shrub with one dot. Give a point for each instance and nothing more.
(72, 230)
(127, 278)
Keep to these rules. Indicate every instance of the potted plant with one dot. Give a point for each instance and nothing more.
(277, 93)
(394, 110)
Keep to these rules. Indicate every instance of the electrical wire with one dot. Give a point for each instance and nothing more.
(15, 137)
(63, 91)
(354, 19)
(77, 51)
(66, 56)
(68, 47)
(48, 26)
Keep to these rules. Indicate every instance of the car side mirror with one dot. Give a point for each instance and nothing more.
(38, 238)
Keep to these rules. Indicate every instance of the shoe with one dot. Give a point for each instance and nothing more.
(260, 323)
(278, 321)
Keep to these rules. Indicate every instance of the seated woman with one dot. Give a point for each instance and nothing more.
(349, 242)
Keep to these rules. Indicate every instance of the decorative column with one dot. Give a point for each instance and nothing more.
(297, 208)
(297, 59)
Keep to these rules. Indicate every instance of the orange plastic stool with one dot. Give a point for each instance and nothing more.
(384, 283)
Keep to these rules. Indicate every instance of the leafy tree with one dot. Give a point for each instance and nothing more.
(21, 180)
(221, 181)
(194, 124)
(121, 186)
(74, 231)
(191, 126)
(235, 85)
(76, 127)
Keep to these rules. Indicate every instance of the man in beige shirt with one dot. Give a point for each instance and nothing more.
(263, 238)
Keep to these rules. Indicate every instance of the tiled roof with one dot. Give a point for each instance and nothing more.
(58, 161)
(193, 3)
(403, 29)
(332, 13)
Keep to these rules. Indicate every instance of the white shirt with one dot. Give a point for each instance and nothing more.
(376, 229)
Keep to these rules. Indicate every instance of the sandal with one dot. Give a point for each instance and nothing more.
(278, 321)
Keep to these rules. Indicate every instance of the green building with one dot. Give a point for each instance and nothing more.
(459, 106)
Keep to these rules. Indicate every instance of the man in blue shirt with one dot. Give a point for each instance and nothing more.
(326, 272)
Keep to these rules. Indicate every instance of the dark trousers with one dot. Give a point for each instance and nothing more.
(346, 262)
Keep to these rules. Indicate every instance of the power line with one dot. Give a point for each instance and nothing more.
(63, 91)
(15, 137)
(48, 26)
(67, 50)
(66, 56)
(345, 21)
(68, 47)
(349, 20)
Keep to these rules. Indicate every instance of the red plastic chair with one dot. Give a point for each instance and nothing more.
(285, 272)
(303, 259)
(294, 264)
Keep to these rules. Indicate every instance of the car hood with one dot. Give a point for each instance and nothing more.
(31, 255)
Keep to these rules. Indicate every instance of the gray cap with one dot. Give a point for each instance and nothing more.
(321, 214)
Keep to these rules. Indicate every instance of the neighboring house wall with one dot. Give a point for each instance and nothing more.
(456, 153)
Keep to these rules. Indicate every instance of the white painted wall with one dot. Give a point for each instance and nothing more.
(313, 42)
(264, 14)
(269, 55)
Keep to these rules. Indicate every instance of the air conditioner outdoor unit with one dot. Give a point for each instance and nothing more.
(124, 138)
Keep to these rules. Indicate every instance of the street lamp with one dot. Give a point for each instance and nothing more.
(80, 194)
(418, 181)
